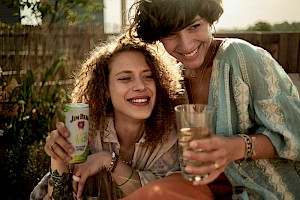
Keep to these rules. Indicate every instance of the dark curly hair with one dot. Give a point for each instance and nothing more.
(91, 86)
(155, 19)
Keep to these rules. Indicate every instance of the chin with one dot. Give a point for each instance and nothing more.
(142, 116)
(191, 65)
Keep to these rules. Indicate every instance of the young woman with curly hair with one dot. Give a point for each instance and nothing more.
(131, 89)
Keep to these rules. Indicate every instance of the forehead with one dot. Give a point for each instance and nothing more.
(128, 61)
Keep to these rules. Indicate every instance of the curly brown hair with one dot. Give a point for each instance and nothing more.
(155, 19)
(91, 86)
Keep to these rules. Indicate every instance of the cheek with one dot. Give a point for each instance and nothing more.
(169, 46)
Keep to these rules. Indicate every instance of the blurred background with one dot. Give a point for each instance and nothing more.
(42, 42)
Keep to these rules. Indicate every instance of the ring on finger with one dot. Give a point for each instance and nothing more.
(216, 166)
(76, 178)
(51, 146)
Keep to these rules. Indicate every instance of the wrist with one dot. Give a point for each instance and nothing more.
(59, 167)
(238, 148)
(249, 147)
(113, 163)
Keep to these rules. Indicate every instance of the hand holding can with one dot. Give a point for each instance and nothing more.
(78, 125)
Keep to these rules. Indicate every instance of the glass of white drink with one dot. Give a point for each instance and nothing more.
(194, 122)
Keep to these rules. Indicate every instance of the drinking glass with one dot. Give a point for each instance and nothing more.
(194, 122)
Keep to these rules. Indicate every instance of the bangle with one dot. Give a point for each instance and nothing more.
(127, 179)
(249, 147)
(113, 163)
(55, 175)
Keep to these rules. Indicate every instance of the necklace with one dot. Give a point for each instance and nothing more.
(207, 60)
(200, 82)
(214, 47)
(126, 162)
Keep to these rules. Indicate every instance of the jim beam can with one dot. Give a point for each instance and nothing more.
(78, 125)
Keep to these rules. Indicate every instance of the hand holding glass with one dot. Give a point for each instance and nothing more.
(194, 122)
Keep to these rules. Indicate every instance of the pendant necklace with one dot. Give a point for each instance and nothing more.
(212, 52)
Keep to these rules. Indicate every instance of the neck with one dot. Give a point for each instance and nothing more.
(207, 62)
(129, 132)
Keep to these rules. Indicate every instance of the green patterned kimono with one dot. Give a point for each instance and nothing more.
(250, 89)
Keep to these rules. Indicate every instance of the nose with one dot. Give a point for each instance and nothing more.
(139, 85)
(185, 42)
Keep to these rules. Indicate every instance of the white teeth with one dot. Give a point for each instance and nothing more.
(191, 54)
(139, 100)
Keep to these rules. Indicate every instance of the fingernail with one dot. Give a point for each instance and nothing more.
(67, 159)
(193, 144)
(71, 150)
(186, 154)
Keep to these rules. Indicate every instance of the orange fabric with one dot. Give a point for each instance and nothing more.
(173, 187)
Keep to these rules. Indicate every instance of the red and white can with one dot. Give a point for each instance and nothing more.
(77, 123)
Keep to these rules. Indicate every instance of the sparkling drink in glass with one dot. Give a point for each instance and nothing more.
(194, 122)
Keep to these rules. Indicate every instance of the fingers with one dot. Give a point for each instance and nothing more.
(79, 178)
(62, 129)
(57, 145)
(214, 152)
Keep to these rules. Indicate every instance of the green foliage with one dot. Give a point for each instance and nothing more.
(70, 11)
(283, 27)
(38, 104)
(260, 26)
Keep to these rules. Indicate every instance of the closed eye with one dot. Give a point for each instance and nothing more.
(124, 78)
(195, 26)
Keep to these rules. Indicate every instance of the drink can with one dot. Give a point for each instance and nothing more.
(78, 125)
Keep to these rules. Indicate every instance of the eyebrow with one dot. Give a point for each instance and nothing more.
(129, 72)
(198, 18)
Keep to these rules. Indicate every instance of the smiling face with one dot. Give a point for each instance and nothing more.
(131, 86)
(190, 45)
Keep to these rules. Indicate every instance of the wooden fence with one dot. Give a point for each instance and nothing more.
(35, 48)
(284, 47)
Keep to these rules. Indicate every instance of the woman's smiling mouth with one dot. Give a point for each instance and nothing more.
(191, 54)
(140, 100)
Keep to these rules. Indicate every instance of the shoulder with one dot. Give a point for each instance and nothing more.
(235, 46)
(237, 51)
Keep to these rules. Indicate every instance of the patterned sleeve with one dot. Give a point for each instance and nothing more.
(275, 101)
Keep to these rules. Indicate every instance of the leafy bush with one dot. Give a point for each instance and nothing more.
(38, 103)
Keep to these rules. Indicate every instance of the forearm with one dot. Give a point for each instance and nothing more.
(59, 185)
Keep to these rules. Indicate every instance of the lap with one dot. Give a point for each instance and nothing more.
(173, 187)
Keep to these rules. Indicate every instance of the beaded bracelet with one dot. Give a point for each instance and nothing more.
(250, 150)
(113, 163)
(127, 179)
